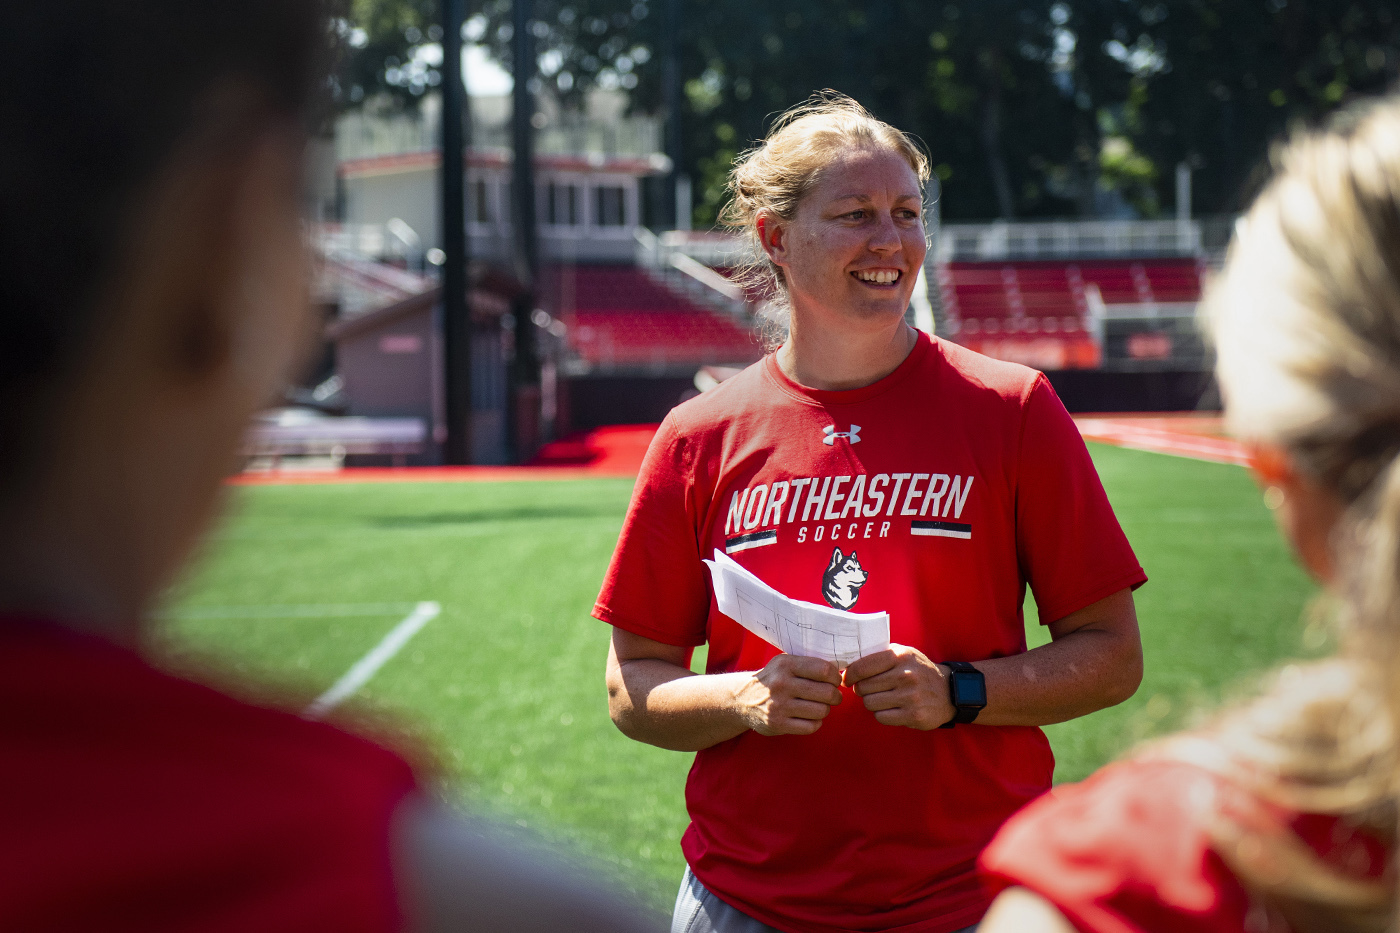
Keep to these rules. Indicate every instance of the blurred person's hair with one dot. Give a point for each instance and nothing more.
(777, 174)
(1305, 318)
(99, 97)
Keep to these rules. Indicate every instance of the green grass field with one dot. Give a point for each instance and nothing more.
(505, 686)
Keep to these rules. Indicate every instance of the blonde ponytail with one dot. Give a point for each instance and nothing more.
(1306, 322)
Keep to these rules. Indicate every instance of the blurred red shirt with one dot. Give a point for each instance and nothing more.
(133, 800)
(1129, 851)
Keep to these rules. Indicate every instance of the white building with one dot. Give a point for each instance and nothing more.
(588, 169)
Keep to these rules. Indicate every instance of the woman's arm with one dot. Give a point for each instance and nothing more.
(1094, 661)
(654, 698)
(1017, 910)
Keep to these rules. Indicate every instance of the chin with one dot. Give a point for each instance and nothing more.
(883, 311)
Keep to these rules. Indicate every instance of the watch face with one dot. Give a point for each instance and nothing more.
(969, 689)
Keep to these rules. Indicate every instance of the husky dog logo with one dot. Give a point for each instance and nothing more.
(843, 579)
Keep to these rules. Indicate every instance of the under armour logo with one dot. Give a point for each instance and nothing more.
(852, 436)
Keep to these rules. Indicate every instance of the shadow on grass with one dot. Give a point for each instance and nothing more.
(484, 516)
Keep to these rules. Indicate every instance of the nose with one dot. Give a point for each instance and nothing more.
(885, 239)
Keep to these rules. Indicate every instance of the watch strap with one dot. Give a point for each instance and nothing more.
(962, 714)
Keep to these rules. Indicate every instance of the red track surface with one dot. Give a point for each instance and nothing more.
(1198, 436)
(611, 451)
(618, 451)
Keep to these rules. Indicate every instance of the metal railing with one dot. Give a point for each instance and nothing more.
(1059, 239)
(362, 135)
(713, 249)
(1067, 239)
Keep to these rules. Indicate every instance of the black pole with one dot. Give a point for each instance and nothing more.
(525, 376)
(456, 314)
(671, 91)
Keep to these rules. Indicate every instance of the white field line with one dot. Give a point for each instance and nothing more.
(300, 611)
(365, 668)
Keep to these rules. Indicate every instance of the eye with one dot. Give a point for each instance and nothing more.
(858, 214)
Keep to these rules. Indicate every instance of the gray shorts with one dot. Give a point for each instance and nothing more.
(699, 911)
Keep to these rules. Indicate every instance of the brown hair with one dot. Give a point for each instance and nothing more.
(98, 98)
(776, 175)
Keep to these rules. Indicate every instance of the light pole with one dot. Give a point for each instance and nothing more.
(456, 314)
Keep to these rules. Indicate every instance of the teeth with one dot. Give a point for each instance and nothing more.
(879, 277)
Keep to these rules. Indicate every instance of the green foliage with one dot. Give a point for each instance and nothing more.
(1007, 94)
(507, 683)
(390, 51)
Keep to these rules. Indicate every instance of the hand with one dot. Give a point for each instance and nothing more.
(902, 687)
(790, 696)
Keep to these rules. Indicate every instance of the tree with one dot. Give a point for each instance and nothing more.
(1218, 82)
(1028, 107)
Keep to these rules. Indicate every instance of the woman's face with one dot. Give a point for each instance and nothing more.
(852, 252)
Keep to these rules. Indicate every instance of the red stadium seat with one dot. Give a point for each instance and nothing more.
(620, 316)
(1037, 312)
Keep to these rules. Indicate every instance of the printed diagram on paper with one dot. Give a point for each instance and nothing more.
(797, 627)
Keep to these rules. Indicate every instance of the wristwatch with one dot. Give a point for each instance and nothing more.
(969, 692)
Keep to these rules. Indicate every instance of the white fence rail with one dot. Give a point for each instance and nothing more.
(1070, 239)
(1061, 239)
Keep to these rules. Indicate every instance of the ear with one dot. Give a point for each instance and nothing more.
(1271, 466)
(836, 558)
(772, 236)
(218, 252)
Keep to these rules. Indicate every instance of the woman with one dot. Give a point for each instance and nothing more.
(153, 296)
(874, 468)
(1281, 815)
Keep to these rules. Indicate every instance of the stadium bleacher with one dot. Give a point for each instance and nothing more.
(621, 317)
(1039, 312)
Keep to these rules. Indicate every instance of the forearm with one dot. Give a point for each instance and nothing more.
(659, 703)
(1085, 671)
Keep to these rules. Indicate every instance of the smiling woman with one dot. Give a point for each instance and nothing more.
(873, 468)
(831, 135)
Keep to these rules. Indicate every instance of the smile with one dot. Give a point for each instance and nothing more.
(878, 276)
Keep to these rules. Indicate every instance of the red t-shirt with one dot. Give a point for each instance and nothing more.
(945, 487)
(1129, 851)
(133, 800)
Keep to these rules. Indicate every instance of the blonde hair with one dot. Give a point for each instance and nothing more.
(1306, 322)
(775, 176)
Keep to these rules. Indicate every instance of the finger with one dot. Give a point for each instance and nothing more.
(886, 680)
(820, 691)
(897, 716)
(795, 727)
(902, 675)
(870, 666)
(885, 700)
(801, 709)
(814, 669)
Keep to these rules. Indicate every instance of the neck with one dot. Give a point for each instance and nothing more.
(820, 358)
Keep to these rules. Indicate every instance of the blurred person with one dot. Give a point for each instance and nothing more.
(153, 295)
(1279, 815)
(871, 467)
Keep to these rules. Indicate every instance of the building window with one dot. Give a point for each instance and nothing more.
(481, 206)
(612, 204)
(562, 207)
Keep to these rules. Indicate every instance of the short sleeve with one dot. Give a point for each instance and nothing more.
(1127, 851)
(655, 586)
(1070, 546)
